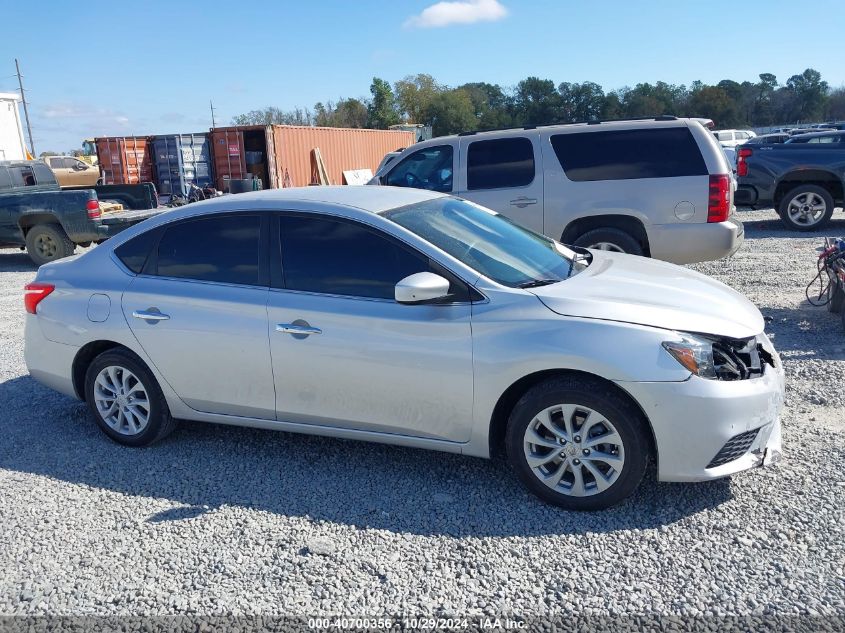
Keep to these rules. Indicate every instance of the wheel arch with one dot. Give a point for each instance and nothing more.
(26, 222)
(85, 356)
(507, 401)
(628, 223)
(819, 177)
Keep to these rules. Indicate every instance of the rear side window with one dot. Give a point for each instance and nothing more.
(342, 258)
(224, 249)
(629, 154)
(43, 174)
(134, 253)
(22, 176)
(5, 178)
(500, 163)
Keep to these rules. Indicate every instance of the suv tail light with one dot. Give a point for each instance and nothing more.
(719, 199)
(741, 165)
(33, 294)
(93, 207)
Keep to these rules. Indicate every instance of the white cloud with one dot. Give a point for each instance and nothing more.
(459, 12)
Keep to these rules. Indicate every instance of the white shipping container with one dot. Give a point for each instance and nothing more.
(12, 145)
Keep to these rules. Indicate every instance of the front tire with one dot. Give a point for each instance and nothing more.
(126, 400)
(578, 444)
(610, 239)
(47, 243)
(806, 208)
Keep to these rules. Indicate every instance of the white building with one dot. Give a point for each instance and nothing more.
(12, 145)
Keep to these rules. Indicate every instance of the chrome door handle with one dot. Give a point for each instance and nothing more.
(293, 328)
(150, 315)
(523, 202)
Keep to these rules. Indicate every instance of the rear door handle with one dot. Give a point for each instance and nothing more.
(523, 202)
(294, 328)
(150, 314)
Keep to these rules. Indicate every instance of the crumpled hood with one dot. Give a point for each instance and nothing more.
(645, 291)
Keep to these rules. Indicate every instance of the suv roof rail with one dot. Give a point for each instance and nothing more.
(662, 117)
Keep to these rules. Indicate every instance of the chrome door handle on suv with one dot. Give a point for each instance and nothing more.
(150, 314)
(297, 328)
(523, 202)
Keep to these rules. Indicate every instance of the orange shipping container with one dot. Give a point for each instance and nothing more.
(343, 149)
(124, 160)
(241, 150)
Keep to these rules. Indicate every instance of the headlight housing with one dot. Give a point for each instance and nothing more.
(694, 353)
(720, 358)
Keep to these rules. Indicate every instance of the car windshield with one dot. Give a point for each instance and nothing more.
(489, 243)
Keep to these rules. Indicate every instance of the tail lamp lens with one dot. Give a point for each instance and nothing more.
(34, 293)
(719, 198)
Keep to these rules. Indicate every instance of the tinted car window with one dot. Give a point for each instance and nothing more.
(43, 174)
(428, 168)
(343, 258)
(5, 178)
(134, 253)
(22, 176)
(627, 154)
(221, 249)
(499, 163)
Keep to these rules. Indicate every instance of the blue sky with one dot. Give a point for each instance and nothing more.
(97, 68)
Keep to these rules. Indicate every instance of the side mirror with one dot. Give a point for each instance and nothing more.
(421, 288)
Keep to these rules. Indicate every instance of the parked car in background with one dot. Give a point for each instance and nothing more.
(819, 137)
(732, 138)
(73, 172)
(802, 181)
(49, 222)
(414, 318)
(778, 137)
(660, 188)
(805, 130)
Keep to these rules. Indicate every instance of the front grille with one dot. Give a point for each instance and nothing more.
(735, 448)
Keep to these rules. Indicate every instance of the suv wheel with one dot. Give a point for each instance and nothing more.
(577, 444)
(609, 239)
(126, 400)
(806, 208)
(47, 243)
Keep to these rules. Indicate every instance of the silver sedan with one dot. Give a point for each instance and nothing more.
(412, 318)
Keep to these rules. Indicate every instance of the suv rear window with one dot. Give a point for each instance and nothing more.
(629, 154)
(500, 163)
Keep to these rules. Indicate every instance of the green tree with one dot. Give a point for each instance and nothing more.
(810, 94)
(836, 104)
(345, 113)
(712, 102)
(581, 102)
(451, 112)
(536, 102)
(491, 105)
(414, 94)
(381, 112)
(275, 116)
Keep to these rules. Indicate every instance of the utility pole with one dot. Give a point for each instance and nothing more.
(210, 103)
(25, 109)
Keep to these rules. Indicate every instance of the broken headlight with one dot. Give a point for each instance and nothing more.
(720, 358)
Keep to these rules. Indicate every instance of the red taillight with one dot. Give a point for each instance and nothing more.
(33, 294)
(741, 165)
(719, 199)
(93, 207)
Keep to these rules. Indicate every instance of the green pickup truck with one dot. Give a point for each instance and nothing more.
(37, 215)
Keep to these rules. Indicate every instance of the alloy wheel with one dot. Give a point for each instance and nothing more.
(606, 246)
(806, 209)
(574, 450)
(121, 400)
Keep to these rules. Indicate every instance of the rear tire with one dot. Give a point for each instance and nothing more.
(47, 243)
(806, 208)
(126, 400)
(610, 239)
(557, 452)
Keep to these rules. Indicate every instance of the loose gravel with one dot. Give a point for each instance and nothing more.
(222, 521)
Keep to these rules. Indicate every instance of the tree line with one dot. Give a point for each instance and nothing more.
(803, 98)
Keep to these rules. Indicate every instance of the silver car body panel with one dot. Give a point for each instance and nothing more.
(421, 376)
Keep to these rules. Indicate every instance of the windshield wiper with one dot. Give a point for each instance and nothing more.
(535, 283)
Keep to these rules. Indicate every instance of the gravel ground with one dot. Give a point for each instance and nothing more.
(220, 521)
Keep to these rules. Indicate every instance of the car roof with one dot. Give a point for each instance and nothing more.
(375, 199)
(819, 134)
